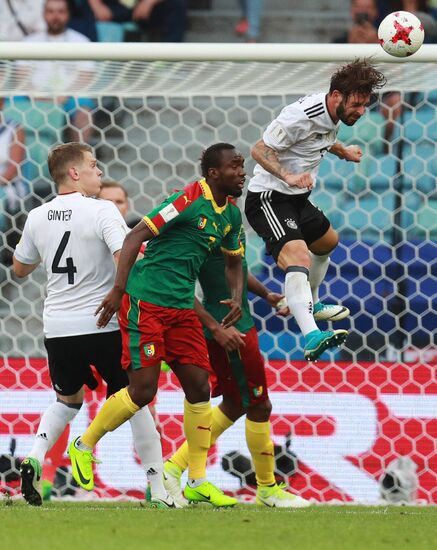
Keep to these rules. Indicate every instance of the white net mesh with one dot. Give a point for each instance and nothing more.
(338, 424)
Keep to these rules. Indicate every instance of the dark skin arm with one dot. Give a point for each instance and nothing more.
(273, 298)
(228, 338)
(235, 281)
(129, 252)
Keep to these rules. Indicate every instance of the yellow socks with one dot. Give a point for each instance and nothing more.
(262, 451)
(220, 423)
(197, 427)
(116, 410)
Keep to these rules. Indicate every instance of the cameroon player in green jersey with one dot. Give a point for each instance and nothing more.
(155, 300)
(239, 377)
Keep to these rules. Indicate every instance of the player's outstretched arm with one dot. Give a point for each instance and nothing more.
(235, 281)
(352, 153)
(228, 338)
(276, 300)
(268, 158)
(129, 252)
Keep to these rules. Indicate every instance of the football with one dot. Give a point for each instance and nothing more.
(401, 34)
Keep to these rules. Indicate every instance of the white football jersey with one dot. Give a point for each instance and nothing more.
(75, 238)
(301, 135)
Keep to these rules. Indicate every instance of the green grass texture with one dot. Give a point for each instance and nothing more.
(131, 526)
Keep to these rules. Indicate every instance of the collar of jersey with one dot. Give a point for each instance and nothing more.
(207, 193)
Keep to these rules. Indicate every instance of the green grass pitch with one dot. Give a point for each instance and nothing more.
(130, 526)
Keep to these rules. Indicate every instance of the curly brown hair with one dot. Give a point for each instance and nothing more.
(358, 77)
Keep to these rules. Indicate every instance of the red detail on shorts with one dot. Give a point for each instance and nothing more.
(223, 382)
(176, 335)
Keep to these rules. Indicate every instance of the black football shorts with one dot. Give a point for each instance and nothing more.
(70, 358)
(279, 218)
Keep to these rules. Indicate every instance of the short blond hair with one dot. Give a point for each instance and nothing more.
(63, 156)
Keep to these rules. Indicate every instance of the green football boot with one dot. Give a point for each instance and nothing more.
(82, 466)
(207, 492)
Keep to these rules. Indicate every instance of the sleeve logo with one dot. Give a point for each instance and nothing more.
(278, 133)
(168, 212)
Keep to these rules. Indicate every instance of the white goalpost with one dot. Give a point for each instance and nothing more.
(149, 110)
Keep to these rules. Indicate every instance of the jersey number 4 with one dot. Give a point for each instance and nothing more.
(70, 268)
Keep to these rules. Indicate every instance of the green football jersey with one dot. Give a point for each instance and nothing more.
(188, 225)
(213, 282)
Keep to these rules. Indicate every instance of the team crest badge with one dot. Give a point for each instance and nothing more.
(257, 392)
(149, 350)
(291, 223)
(201, 224)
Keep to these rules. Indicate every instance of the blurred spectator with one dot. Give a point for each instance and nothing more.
(421, 10)
(250, 22)
(52, 75)
(82, 18)
(20, 18)
(432, 4)
(116, 193)
(364, 30)
(12, 187)
(158, 20)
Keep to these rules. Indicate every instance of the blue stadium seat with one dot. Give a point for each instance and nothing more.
(335, 173)
(367, 133)
(371, 216)
(419, 124)
(427, 219)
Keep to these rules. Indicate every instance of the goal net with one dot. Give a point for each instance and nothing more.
(340, 425)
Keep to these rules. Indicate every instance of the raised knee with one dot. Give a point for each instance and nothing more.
(200, 393)
(260, 412)
(265, 409)
(142, 395)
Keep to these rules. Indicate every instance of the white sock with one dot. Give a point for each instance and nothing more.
(299, 298)
(148, 445)
(193, 483)
(319, 267)
(52, 424)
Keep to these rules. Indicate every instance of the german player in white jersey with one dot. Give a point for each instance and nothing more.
(77, 238)
(297, 234)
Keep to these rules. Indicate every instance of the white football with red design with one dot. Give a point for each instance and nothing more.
(401, 33)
